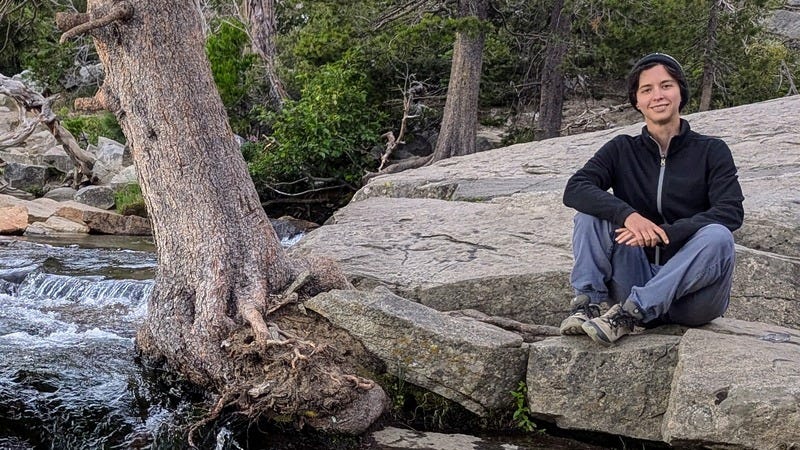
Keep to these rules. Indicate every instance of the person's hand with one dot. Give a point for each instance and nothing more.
(640, 232)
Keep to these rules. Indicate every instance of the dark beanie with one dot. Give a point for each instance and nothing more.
(673, 67)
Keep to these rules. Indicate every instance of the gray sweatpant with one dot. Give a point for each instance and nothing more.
(691, 289)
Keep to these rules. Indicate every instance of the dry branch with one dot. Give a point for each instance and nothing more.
(290, 295)
(33, 102)
(20, 134)
(120, 11)
(413, 162)
(409, 95)
(587, 119)
(92, 104)
(785, 72)
(529, 332)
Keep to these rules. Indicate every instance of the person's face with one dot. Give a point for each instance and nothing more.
(658, 96)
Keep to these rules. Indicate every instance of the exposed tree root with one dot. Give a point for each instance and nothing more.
(529, 332)
(292, 375)
(210, 417)
(292, 365)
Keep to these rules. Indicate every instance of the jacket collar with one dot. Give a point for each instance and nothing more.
(674, 144)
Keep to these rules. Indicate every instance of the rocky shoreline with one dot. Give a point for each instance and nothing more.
(462, 268)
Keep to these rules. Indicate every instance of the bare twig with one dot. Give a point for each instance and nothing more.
(418, 7)
(309, 191)
(785, 72)
(289, 295)
(408, 100)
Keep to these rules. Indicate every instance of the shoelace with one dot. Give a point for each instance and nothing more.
(622, 319)
(590, 309)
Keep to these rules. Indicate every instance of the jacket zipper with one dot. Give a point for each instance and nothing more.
(659, 192)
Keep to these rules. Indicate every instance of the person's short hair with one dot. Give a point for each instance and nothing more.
(673, 68)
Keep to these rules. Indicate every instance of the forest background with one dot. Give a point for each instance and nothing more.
(358, 76)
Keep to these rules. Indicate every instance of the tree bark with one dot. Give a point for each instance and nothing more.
(460, 119)
(263, 29)
(551, 100)
(216, 313)
(709, 51)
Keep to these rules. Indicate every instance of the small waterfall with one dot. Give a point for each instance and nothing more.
(68, 377)
(87, 290)
(68, 372)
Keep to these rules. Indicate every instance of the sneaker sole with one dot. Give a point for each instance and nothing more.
(596, 334)
(572, 327)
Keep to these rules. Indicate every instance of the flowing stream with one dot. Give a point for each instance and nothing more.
(68, 315)
(69, 378)
(68, 374)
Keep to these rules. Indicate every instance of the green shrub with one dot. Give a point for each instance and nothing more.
(234, 70)
(760, 75)
(325, 134)
(325, 38)
(93, 126)
(30, 41)
(515, 135)
(129, 201)
(522, 413)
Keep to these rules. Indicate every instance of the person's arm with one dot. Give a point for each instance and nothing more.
(724, 195)
(587, 189)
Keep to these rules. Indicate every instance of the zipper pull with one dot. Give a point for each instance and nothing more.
(663, 161)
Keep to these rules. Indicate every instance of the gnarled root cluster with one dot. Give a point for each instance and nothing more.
(298, 367)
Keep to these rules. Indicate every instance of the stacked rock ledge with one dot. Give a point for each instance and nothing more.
(44, 216)
(488, 232)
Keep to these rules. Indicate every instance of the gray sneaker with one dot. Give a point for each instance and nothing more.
(612, 325)
(581, 311)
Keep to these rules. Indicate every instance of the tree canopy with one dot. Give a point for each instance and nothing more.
(344, 65)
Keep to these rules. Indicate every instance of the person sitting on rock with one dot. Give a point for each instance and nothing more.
(659, 249)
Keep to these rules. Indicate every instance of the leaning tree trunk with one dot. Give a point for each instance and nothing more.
(214, 314)
(460, 119)
(551, 100)
(263, 30)
(709, 51)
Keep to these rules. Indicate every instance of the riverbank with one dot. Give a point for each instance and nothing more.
(69, 377)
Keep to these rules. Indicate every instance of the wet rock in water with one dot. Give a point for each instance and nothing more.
(393, 438)
(39, 209)
(98, 221)
(105, 222)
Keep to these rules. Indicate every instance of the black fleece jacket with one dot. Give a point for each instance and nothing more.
(700, 185)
